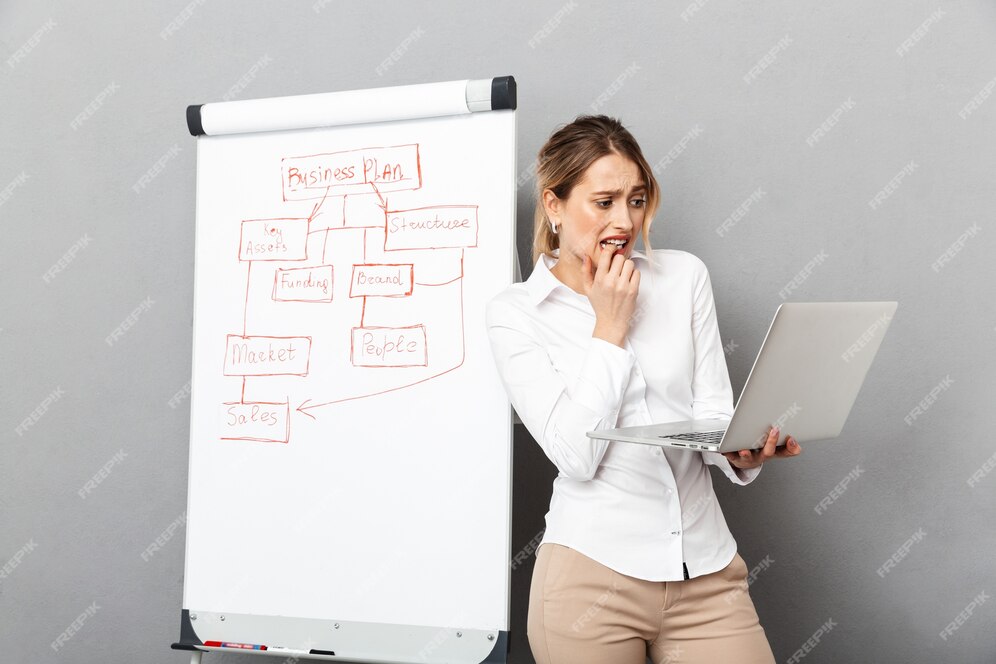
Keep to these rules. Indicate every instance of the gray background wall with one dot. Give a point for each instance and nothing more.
(680, 76)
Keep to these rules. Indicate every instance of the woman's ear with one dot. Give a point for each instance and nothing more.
(551, 204)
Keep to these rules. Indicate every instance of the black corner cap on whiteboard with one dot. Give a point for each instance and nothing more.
(502, 93)
(499, 654)
(188, 637)
(194, 120)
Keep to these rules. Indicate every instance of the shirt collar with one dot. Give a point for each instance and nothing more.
(542, 281)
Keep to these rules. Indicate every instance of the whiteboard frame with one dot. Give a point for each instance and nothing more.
(380, 643)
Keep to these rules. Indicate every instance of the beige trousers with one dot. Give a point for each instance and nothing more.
(582, 612)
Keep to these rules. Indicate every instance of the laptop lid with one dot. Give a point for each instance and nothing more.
(808, 373)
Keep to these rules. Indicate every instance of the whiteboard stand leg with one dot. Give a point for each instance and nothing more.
(195, 658)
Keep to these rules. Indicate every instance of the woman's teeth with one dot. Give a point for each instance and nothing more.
(615, 243)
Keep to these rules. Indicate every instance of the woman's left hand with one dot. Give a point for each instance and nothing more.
(754, 458)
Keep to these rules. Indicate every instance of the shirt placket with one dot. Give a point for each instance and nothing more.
(667, 476)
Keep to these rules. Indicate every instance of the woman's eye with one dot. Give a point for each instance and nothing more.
(639, 202)
(607, 203)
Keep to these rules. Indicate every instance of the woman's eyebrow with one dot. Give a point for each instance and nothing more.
(616, 192)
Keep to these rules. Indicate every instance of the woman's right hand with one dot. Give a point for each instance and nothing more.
(611, 288)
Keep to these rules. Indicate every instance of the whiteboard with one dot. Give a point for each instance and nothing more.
(350, 441)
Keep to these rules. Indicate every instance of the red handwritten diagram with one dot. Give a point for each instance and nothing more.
(344, 253)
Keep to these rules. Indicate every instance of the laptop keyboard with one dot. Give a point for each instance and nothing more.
(707, 437)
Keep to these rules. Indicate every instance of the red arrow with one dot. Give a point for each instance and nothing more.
(301, 410)
(318, 205)
(383, 201)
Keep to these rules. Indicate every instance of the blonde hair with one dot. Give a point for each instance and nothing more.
(563, 160)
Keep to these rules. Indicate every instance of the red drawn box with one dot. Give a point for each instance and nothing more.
(282, 239)
(316, 278)
(261, 421)
(432, 227)
(267, 356)
(382, 280)
(390, 168)
(388, 346)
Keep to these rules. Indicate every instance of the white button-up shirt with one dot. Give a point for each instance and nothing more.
(638, 509)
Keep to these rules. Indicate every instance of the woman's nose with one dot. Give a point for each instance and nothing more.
(621, 220)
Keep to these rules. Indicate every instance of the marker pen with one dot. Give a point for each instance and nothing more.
(229, 644)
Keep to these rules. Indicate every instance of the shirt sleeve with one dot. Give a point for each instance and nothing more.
(712, 395)
(556, 413)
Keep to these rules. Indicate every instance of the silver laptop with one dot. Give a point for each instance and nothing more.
(805, 379)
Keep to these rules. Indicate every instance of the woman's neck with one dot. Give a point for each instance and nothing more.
(568, 274)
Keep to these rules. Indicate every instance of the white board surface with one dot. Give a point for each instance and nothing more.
(350, 451)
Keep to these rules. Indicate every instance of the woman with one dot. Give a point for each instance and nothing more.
(636, 558)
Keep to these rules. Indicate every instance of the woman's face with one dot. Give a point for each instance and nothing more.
(608, 203)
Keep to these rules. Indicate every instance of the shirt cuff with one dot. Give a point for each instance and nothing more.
(735, 475)
(603, 377)
(745, 476)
